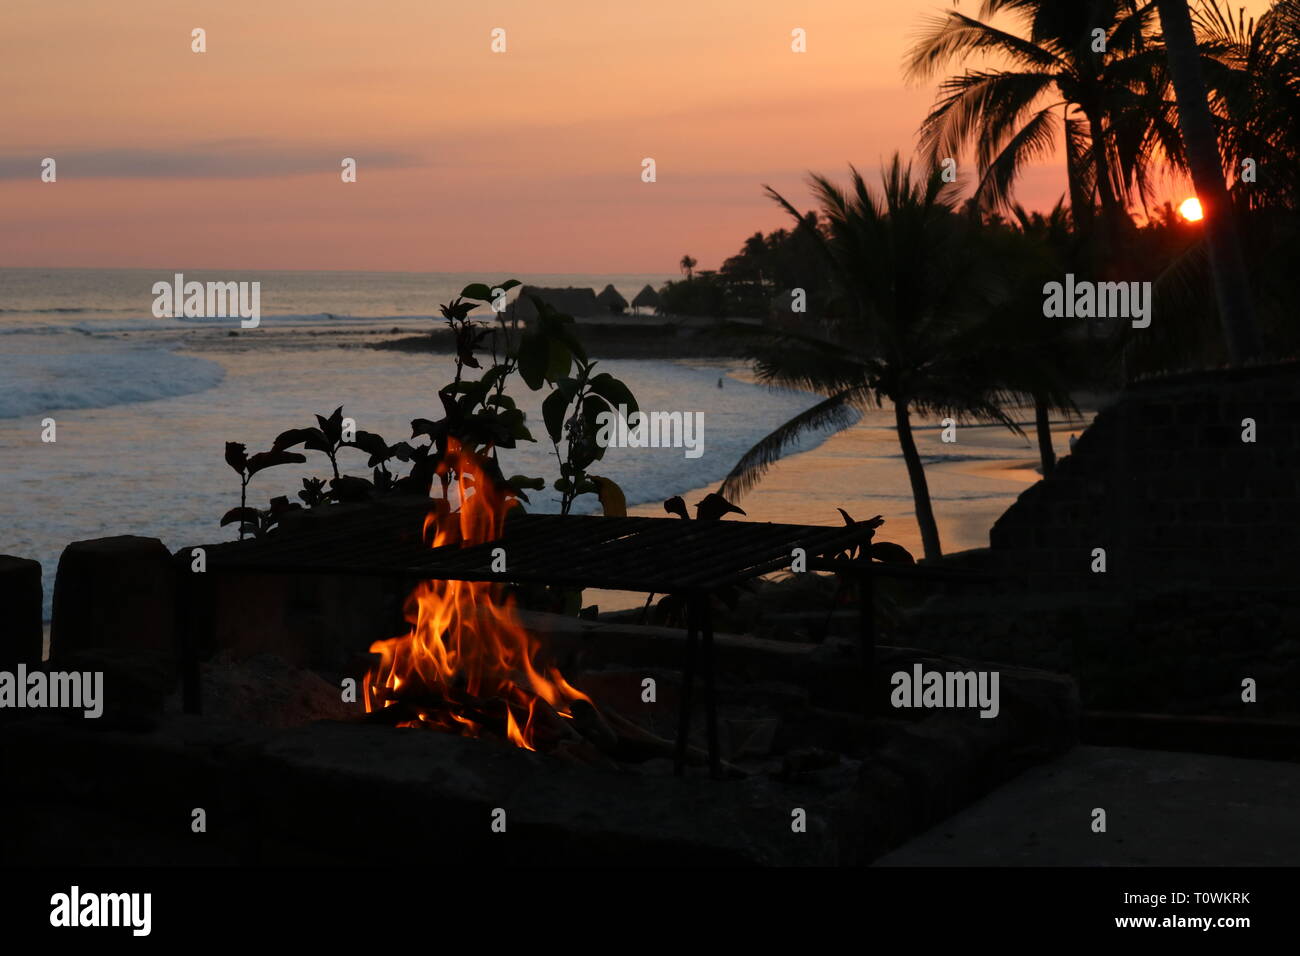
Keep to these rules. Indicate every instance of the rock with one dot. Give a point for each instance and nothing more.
(114, 592)
(20, 603)
(266, 691)
(136, 684)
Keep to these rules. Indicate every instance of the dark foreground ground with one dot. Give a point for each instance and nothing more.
(1162, 809)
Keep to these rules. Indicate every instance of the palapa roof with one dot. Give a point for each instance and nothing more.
(572, 301)
(611, 299)
(647, 297)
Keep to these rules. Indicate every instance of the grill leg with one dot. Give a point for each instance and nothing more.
(688, 687)
(193, 632)
(867, 636)
(705, 615)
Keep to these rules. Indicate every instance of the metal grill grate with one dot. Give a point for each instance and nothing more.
(663, 555)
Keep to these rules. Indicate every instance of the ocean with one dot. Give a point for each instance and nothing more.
(143, 408)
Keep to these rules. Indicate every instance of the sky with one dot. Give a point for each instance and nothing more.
(528, 160)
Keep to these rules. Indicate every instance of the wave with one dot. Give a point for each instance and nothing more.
(43, 383)
(306, 317)
(58, 311)
(144, 323)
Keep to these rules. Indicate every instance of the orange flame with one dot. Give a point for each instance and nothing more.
(467, 664)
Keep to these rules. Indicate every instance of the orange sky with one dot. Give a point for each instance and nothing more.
(526, 161)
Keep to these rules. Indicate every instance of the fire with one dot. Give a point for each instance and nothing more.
(467, 665)
(1190, 209)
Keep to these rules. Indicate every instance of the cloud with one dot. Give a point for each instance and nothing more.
(220, 159)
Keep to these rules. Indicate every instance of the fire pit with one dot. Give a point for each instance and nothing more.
(288, 770)
(467, 665)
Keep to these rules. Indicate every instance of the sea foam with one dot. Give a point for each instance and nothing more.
(39, 383)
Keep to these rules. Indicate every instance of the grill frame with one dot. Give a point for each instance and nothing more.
(647, 554)
(606, 553)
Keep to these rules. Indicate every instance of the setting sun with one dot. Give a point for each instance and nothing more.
(1191, 210)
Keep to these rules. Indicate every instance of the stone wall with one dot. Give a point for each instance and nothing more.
(1164, 483)
(1201, 533)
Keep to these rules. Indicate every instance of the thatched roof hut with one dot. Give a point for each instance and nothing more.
(647, 298)
(612, 300)
(569, 301)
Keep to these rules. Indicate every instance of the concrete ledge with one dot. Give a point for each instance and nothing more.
(344, 792)
(1162, 809)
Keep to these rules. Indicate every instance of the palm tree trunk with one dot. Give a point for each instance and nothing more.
(1231, 283)
(1080, 200)
(1111, 208)
(1043, 424)
(920, 490)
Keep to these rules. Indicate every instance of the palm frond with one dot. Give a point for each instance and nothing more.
(979, 107)
(1036, 139)
(952, 35)
(837, 411)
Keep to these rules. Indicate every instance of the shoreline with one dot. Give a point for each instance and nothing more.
(602, 341)
(971, 489)
(630, 338)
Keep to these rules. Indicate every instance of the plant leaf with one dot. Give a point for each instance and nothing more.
(612, 500)
(533, 356)
(248, 515)
(553, 413)
(423, 426)
(559, 359)
(236, 456)
(269, 459)
(614, 391)
(332, 427)
(373, 445)
(523, 481)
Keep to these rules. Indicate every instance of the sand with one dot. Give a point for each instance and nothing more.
(806, 488)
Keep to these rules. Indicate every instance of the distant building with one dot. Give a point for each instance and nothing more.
(647, 298)
(576, 302)
(611, 300)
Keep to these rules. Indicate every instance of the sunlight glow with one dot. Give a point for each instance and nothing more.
(1190, 209)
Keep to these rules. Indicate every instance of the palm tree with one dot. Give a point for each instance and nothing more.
(919, 335)
(1252, 69)
(1114, 117)
(1228, 265)
(1039, 248)
(688, 265)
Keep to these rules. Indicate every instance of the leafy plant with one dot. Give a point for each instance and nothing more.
(328, 438)
(313, 492)
(572, 414)
(237, 458)
(477, 414)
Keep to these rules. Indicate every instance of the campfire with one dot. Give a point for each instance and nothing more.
(467, 665)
